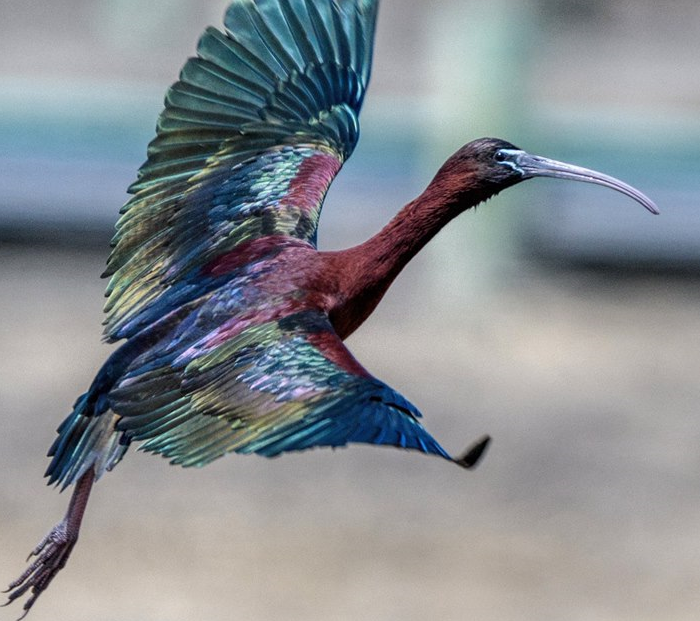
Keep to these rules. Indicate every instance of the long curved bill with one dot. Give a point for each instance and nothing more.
(536, 166)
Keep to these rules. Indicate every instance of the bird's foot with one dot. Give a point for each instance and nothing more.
(472, 456)
(51, 556)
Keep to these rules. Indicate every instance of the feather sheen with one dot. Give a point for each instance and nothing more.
(222, 350)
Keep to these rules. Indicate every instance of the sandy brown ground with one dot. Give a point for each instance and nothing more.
(587, 507)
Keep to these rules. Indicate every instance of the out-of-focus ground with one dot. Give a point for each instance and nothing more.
(586, 506)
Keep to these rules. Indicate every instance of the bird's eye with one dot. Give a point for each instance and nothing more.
(500, 156)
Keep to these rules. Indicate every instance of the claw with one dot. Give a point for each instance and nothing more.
(472, 456)
(51, 556)
(42, 544)
(53, 550)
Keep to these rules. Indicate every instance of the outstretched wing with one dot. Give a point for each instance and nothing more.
(250, 139)
(286, 384)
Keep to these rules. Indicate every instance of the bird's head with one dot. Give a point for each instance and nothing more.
(489, 165)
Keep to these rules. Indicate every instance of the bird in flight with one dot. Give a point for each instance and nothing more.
(231, 322)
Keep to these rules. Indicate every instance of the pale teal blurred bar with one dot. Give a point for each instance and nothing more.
(602, 84)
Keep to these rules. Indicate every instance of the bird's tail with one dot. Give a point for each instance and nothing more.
(86, 438)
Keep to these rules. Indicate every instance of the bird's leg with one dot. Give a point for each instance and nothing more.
(472, 456)
(54, 549)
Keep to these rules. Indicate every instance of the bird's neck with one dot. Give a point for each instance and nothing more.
(366, 271)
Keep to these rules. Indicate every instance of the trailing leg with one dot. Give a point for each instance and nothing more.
(53, 551)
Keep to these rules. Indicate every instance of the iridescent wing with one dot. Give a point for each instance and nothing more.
(249, 141)
(216, 359)
(286, 384)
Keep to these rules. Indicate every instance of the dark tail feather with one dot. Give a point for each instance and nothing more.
(85, 439)
(70, 431)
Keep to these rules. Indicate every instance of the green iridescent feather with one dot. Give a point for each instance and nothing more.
(286, 78)
(224, 350)
(267, 390)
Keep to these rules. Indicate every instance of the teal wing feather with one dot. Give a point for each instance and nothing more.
(224, 351)
(282, 385)
(251, 137)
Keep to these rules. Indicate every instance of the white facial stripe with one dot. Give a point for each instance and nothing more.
(512, 156)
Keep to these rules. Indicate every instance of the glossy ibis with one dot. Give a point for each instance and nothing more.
(231, 321)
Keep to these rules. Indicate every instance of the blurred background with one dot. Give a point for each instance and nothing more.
(561, 318)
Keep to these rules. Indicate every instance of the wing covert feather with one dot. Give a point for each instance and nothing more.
(283, 385)
(224, 351)
(251, 136)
